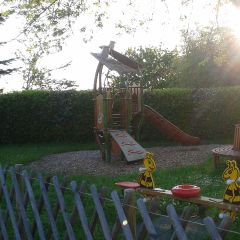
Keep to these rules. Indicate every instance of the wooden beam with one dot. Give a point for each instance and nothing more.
(206, 201)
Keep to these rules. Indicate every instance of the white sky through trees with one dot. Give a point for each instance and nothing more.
(164, 27)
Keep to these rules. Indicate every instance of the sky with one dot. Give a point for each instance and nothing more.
(164, 28)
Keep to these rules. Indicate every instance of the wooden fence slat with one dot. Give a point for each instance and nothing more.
(4, 174)
(152, 210)
(62, 207)
(100, 212)
(57, 206)
(130, 210)
(224, 226)
(3, 229)
(129, 207)
(81, 211)
(48, 208)
(9, 205)
(21, 209)
(40, 203)
(146, 219)
(26, 197)
(179, 231)
(74, 214)
(211, 228)
(33, 205)
(94, 220)
(186, 214)
(122, 217)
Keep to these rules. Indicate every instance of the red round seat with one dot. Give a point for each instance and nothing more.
(126, 185)
(186, 191)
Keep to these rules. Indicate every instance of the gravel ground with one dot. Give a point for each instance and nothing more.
(90, 163)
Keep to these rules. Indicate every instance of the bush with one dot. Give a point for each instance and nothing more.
(216, 111)
(173, 104)
(42, 116)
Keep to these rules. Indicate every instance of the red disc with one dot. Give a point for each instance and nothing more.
(132, 185)
(186, 191)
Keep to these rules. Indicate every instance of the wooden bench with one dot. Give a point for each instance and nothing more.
(230, 151)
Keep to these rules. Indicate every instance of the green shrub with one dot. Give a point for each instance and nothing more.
(216, 111)
(42, 116)
(173, 104)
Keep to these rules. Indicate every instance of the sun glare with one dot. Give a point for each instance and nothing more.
(230, 17)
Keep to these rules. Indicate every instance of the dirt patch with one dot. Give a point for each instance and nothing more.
(90, 163)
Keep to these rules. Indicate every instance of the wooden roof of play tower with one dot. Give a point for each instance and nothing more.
(116, 61)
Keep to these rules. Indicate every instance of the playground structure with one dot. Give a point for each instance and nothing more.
(119, 113)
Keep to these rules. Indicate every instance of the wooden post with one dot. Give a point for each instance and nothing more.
(216, 160)
(236, 144)
(130, 210)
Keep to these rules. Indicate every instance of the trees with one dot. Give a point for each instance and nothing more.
(207, 58)
(4, 63)
(4, 70)
(210, 58)
(48, 23)
(158, 66)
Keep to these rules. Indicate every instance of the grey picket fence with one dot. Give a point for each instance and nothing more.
(48, 208)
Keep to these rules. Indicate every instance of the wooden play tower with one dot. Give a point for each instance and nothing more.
(118, 112)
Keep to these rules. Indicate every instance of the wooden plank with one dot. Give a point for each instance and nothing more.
(126, 202)
(61, 202)
(224, 226)
(3, 230)
(9, 206)
(100, 212)
(146, 219)
(81, 211)
(57, 206)
(94, 220)
(74, 214)
(1, 191)
(48, 208)
(20, 204)
(130, 148)
(26, 197)
(211, 228)
(152, 210)
(179, 231)
(130, 210)
(33, 205)
(40, 203)
(206, 201)
(121, 215)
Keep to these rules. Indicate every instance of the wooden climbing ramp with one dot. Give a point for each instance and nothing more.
(129, 147)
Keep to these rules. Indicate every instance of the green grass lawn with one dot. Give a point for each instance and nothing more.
(26, 153)
(204, 175)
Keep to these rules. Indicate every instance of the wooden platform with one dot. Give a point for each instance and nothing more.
(129, 147)
(226, 151)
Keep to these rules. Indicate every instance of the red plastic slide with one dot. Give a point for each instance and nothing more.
(167, 128)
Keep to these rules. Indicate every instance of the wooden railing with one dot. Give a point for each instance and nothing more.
(48, 208)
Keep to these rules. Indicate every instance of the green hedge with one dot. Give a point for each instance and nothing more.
(173, 104)
(42, 116)
(206, 113)
(216, 111)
